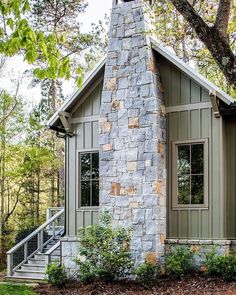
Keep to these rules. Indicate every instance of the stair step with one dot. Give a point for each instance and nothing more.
(39, 256)
(30, 274)
(34, 261)
(30, 267)
(55, 253)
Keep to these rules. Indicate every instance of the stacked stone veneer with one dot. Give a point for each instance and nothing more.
(200, 248)
(69, 253)
(133, 132)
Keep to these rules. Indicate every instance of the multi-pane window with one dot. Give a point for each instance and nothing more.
(190, 174)
(89, 179)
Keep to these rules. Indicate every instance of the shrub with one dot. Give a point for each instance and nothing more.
(221, 265)
(179, 262)
(146, 274)
(104, 253)
(213, 263)
(229, 267)
(56, 274)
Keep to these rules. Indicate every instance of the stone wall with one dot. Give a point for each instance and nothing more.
(200, 248)
(69, 252)
(133, 132)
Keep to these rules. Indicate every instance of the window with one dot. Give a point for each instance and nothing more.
(89, 179)
(190, 175)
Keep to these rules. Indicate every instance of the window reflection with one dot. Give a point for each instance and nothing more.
(183, 163)
(197, 159)
(85, 160)
(89, 179)
(197, 184)
(190, 174)
(184, 189)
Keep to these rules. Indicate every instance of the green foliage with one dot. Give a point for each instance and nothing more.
(23, 233)
(179, 262)
(56, 274)
(17, 36)
(104, 252)
(15, 290)
(48, 35)
(221, 265)
(146, 274)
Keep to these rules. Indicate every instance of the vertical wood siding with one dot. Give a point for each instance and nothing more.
(230, 178)
(179, 89)
(86, 138)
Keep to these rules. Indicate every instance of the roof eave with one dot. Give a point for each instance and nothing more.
(76, 94)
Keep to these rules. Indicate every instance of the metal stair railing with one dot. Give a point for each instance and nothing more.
(51, 211)
(49, 253)
(35, 242)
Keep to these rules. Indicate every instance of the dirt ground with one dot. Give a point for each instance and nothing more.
(188, 285)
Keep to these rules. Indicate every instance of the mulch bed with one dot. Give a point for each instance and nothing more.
(195, 284)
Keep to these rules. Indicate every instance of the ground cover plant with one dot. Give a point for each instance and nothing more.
(13, 289)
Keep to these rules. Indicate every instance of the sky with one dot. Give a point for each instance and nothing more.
(95, 11)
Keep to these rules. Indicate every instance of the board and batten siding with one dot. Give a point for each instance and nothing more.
(85, 127)
(230, 179)
(194, 119)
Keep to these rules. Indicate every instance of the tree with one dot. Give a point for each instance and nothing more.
(61, 17)
(214, 36)
(11, 125)
(17, 36)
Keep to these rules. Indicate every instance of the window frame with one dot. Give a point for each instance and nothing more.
(174, 180)
(79, 152)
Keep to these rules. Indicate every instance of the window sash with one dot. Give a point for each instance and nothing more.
(174, 180)
(91, 179)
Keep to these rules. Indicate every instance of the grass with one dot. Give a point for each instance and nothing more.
(13, 289)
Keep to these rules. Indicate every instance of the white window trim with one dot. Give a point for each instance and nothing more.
(174, 195)
(78, 199)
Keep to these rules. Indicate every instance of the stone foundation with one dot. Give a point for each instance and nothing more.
(200, 247)
(69, 250)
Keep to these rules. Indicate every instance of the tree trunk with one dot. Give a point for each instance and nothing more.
(213, 37)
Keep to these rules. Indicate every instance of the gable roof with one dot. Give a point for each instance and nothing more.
(163, 51)
(70, 102)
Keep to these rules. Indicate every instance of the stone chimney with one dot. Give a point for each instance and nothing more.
(133, 132)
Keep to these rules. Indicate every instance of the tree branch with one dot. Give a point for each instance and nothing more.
(217, 45)
(222, 17)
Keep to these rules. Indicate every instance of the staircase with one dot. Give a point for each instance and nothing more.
(29, 258)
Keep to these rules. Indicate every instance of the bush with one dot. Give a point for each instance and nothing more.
(56, 274)
(221, 265)
(104, 253)
(213, 264)
(146, 274)
(179, 262)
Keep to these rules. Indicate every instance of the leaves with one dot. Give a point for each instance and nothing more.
(37, 46)
(104, 251)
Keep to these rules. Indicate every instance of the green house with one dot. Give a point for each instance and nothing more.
(152, 141)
